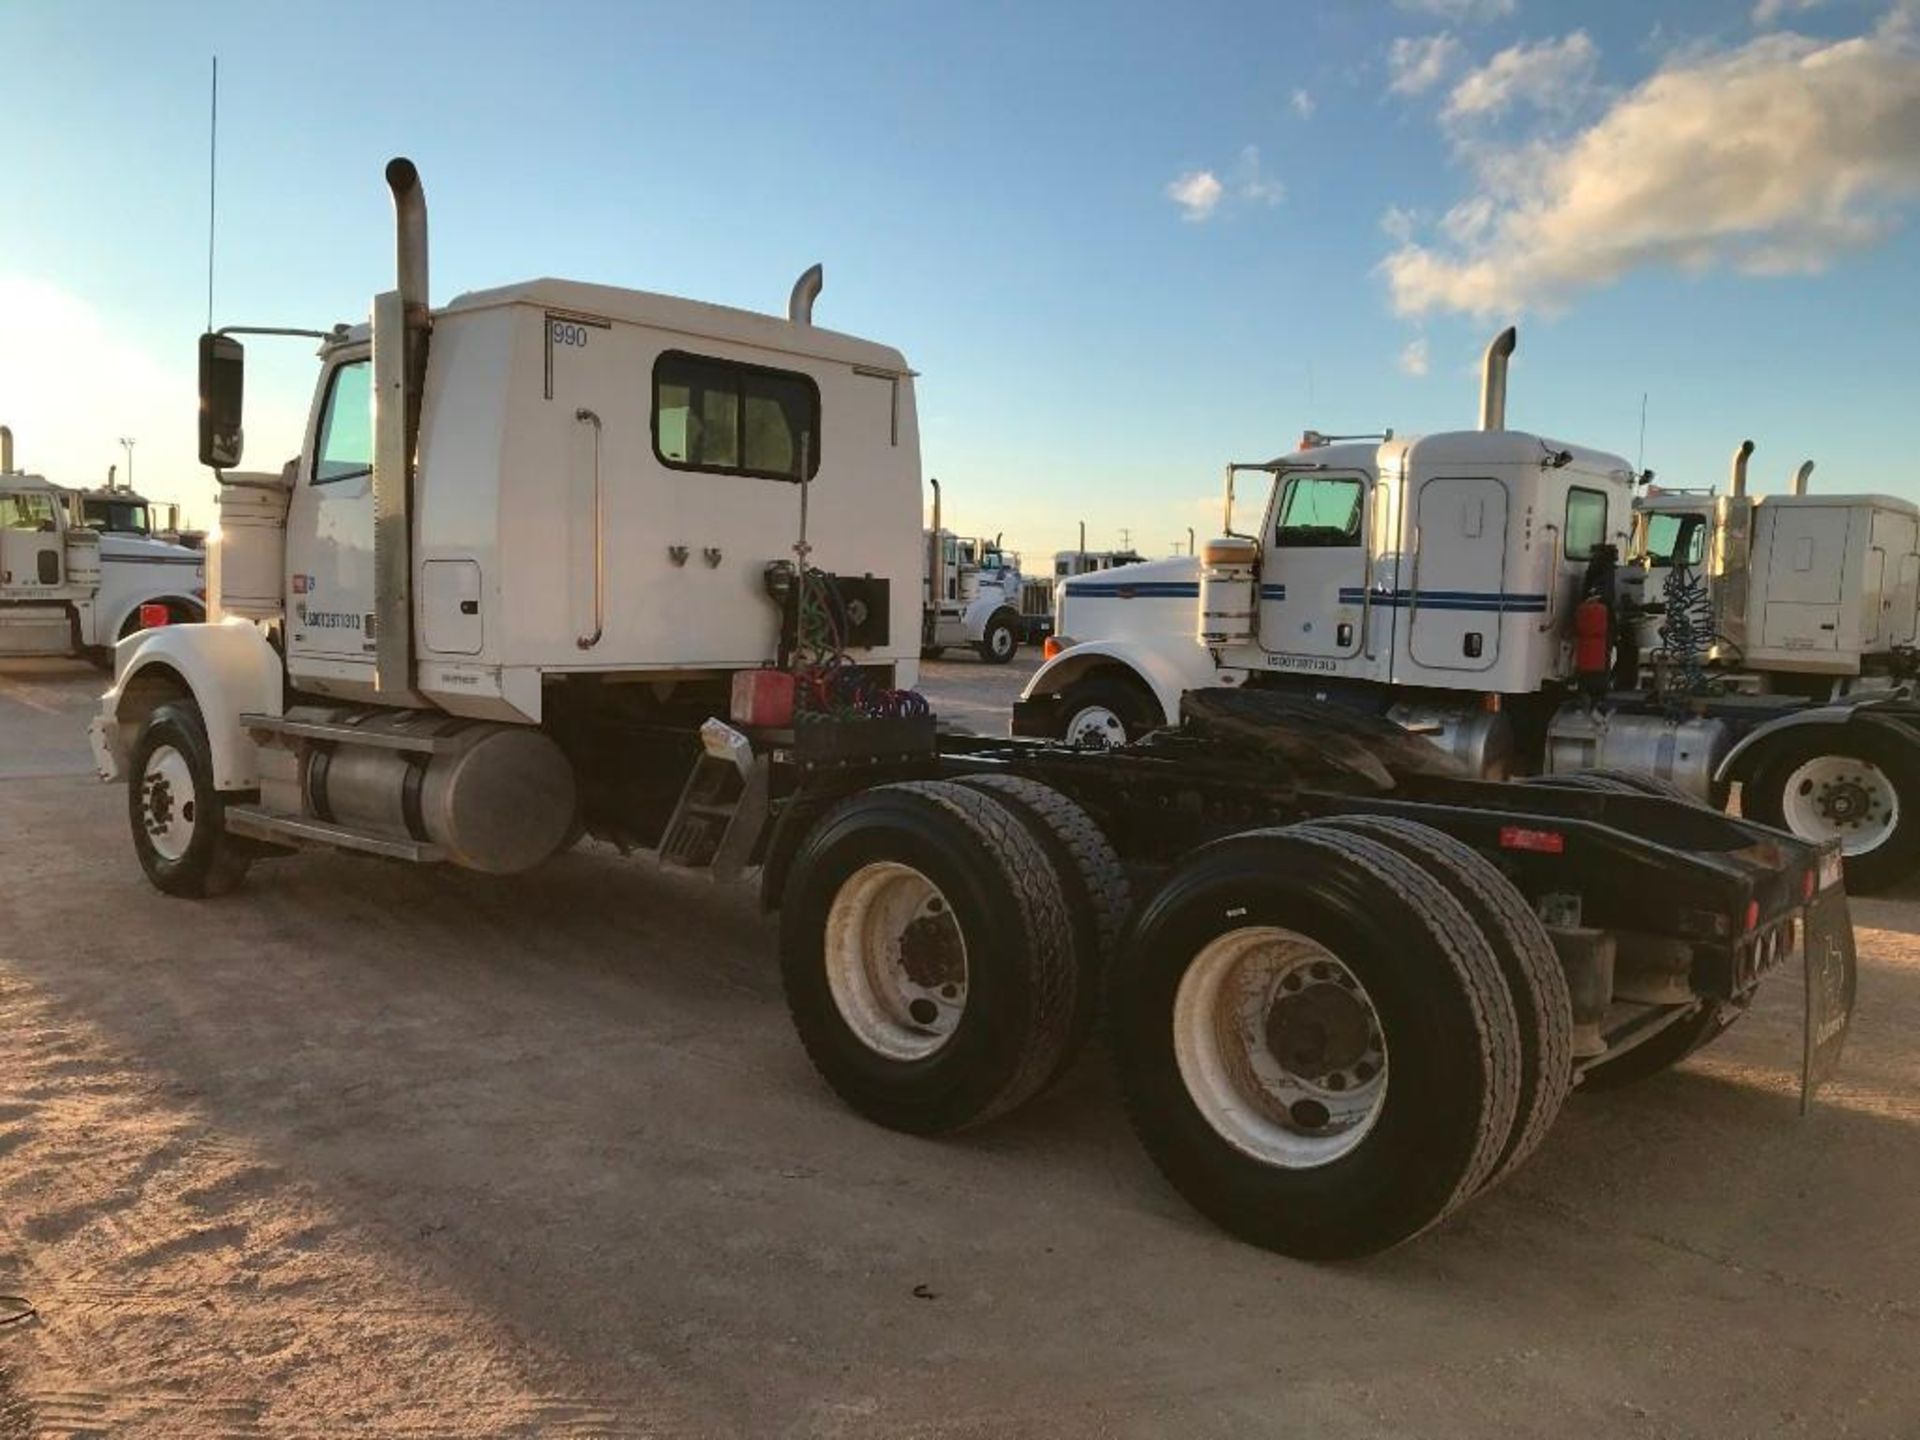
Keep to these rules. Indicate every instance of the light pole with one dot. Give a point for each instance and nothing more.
(126, 444)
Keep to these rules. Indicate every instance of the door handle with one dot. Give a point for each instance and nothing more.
(587, 642)
(1553, 551)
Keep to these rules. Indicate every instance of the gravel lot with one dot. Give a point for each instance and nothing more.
(365, 1150)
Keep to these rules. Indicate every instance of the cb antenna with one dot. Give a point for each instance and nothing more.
(213, 177)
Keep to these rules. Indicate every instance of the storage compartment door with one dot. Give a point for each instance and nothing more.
(1458, 589)
(450, 607)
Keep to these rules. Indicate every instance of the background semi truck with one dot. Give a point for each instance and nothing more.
(559, 557)
(1477, 588)
(69, 588)
(972, 594)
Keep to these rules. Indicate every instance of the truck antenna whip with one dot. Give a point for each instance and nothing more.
(213, 140)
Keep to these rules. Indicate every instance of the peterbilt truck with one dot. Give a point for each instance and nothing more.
(1479, 588)
(972, 594)
(559, 558)
(67, 589)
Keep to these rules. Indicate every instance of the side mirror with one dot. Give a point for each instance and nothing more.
(223, 375)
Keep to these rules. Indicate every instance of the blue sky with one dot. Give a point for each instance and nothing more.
(1123, 243)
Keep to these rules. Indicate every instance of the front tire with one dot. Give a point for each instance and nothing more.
(1001, 642)
(1104, 712)
(1854, 785)
(178, 818)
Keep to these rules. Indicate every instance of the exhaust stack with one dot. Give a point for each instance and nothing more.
(1737, 484)
(401, 322)
(6, 449)
(1801, 476)
(806, 290)
(1493, 380)
(936, 557)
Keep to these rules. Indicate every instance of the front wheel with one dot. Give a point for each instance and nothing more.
(1853, 785)
(178, 818)
(1104, 712)
(1000, 643)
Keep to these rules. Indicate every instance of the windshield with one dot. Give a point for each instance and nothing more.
(119, 517)
(1663, 533)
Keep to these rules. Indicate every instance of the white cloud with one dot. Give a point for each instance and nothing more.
(1552, 75)
(1251, 182)
(1198, 194)
(1417, 63)
(1302, 104)
(1398, 224)
(1201, 194)
(1772, 12)
(1413, 357)
(1460, 12)
(1776, 156)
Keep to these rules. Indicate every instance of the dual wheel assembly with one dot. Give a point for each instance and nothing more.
(1329, 1036)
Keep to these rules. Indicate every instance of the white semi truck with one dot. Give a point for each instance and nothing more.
(557, 556)
(68, 589)
(1470, 587)
(971, 594)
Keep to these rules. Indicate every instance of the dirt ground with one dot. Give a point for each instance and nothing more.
(371, 1151)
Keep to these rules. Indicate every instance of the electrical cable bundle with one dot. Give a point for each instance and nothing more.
(1687, 629)
(828, 682)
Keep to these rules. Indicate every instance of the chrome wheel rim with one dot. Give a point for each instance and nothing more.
(1280, 1047)
(896, 961)
(1095, 727)
(1844, 798)
(168, 804)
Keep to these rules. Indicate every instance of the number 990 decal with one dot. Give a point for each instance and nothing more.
(565, 332)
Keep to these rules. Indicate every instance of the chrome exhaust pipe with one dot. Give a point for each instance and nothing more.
(1737, 485)
(401, 321)
(1801, 476)
(1493, 380)
(6, 449)
(936, 557)
(806, 290)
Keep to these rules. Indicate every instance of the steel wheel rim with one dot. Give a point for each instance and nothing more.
(1844, 798)
(1001, 641)
(1096, 727)
(896, 961)
(169, 805)
(1243, 1023)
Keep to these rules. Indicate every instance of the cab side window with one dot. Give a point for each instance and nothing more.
(1320, 512)
(346, 425)
(1586, 524)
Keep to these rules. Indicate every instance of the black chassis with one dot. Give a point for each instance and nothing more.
(1634, 864)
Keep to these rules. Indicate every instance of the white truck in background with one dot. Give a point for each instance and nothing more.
(67, 589)
(557, 557)
(971, 594)
(1471, 588)
(119, 510)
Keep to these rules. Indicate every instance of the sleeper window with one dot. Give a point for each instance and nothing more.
(1320, 511)
(734, 419)
(1586, 524)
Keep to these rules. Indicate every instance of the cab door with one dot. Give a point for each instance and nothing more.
(330, 526)
(1313, 586)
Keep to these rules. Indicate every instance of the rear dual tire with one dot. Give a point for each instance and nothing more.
(1317, 1044)
(929, 956)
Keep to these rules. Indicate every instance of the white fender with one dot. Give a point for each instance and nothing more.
(228, 669)
(1169, 673)
(982, 610)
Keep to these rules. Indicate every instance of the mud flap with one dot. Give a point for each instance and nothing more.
(1832, 978)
